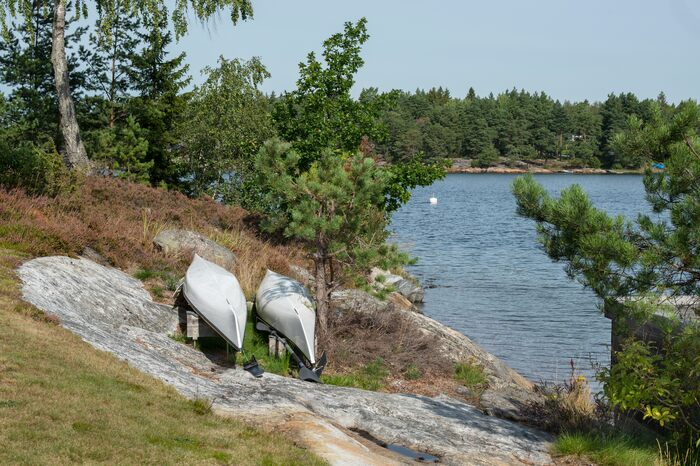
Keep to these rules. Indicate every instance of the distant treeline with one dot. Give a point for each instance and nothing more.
(516, 124)
(139, 120)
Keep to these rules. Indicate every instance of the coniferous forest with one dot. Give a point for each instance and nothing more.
(515, 124)
(141, 117)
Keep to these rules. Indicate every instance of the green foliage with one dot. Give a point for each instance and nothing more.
(370, 377)
(39, 169)
(124, 149)
(256, 344)
(27, 74)
(321, 114)
(608, 449)
(470, 375)
(519, 125)
(334, 208)
(650, 259)
(413, 372)
(333, 203)
(404, 177)
(158, 81)
(222, 129)
(662, 382)
(108, 57)
(487, 158)
(201, 406)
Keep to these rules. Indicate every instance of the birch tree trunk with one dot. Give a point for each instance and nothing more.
(75, 155)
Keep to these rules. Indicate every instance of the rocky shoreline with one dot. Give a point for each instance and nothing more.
(541, 171)
(538, 167)
(113, 312)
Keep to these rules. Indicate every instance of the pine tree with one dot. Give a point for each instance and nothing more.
(634, 267)
(158, 81)
(476, 134)
(109, 59)
(331, 209)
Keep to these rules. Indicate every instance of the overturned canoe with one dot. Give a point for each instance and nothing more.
(286, 306)
(215, 294)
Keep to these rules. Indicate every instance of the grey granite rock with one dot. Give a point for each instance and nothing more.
(112, 312)
(302, 275)
(407, 287)
(508, 392)
(173, 241)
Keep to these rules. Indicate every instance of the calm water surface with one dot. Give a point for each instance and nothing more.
(487, 276)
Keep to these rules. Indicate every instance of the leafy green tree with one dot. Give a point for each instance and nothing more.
(222, 129)
(403, 177)
(321, 113)
(488, 157)
(331, 208)
(150, 11)
(320, 117)
(631, 267)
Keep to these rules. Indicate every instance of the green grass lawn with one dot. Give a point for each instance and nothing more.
(62, 401)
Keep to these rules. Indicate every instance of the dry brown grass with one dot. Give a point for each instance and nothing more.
(566, 407)
(357, 339)
(119, 220)
(64, 402)
(254, 256)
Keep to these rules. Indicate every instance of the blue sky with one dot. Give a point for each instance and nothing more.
(570, 49)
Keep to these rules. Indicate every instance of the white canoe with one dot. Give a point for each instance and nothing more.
(286, 306)
(215, 294)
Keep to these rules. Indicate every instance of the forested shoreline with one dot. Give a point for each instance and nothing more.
(515, 125)
(141, 119)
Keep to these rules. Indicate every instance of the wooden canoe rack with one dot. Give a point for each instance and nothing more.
(192, 326)
(275, 346)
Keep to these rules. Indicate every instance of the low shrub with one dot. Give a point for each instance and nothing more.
(567, 407)
(39, 169)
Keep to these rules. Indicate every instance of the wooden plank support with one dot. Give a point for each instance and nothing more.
(197, 328)
(275, 346)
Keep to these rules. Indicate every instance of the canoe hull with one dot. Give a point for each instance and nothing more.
(286, 306)
(215, 294)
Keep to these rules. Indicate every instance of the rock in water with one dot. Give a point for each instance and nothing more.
(112, 312)
(175, 241)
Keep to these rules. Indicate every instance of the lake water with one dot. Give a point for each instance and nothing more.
(487, 277)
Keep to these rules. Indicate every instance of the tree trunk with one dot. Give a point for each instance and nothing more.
(75, 155)
(322, 301)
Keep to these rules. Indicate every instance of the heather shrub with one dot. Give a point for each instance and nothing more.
(119, 220)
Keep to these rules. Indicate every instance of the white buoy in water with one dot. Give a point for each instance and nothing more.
(433, 200)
